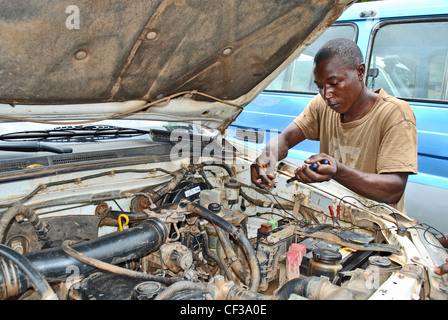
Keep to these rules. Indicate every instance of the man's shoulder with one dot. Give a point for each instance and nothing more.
(387, 98)
(394, 104)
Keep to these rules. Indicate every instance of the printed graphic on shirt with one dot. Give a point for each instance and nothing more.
(347, 155)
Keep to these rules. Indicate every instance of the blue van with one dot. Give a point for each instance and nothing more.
(405, 45)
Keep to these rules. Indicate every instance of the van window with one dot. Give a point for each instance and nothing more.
(410, 60)
(298, 76)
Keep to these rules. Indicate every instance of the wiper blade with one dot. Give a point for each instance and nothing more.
(73, 131)
(32, 146)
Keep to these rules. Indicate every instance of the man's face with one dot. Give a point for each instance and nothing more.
(338, 85)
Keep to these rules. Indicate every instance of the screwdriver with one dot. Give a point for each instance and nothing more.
(312, 166)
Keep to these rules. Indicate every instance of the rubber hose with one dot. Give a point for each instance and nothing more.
(313, 288)
(236, 233)
(30, 271)
(13, 211)
(222, 258)
(133, 216)
(234, 262)
(302, 286)
(208, 255)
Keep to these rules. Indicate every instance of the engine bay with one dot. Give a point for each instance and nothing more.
(181, 231)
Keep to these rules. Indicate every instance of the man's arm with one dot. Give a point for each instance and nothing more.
(387, 188)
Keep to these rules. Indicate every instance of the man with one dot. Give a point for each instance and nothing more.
(369, 138)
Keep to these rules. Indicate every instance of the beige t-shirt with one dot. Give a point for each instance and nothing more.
(384, 140)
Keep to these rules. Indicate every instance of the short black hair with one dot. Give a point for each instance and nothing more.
(347, 50)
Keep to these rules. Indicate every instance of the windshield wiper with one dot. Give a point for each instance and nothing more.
(67, 132)
(32, 146)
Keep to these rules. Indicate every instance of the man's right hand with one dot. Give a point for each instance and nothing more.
(262, 171)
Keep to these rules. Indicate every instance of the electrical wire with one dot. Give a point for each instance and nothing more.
(340, 201)
(280, 205)
(426, 231)
(372, 206)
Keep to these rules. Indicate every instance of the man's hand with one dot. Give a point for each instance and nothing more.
(323, 172)
(262, 171)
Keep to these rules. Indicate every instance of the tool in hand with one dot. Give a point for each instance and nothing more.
(312, 166)
(337, 216)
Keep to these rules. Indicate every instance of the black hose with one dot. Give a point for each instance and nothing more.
(30, 271)
(19, 209)
(302, 286)
(222, 258)
(133, 216)
(208, 254)
(236, 233)
(313, 288)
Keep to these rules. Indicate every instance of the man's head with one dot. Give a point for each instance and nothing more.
(347, 50)
(339, 74)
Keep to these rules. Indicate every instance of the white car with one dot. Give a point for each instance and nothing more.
(118, 183)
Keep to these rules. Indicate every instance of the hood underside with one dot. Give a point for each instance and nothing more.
(77, 52)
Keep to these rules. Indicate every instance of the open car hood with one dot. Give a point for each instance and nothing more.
(105, 58)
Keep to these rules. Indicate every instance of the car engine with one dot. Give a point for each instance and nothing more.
(173, 230)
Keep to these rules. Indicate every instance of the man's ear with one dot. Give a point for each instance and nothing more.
(361, 70)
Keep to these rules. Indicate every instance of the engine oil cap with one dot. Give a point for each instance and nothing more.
(326, 255)
(146, 290)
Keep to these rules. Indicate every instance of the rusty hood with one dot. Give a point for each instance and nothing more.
(147, 59)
